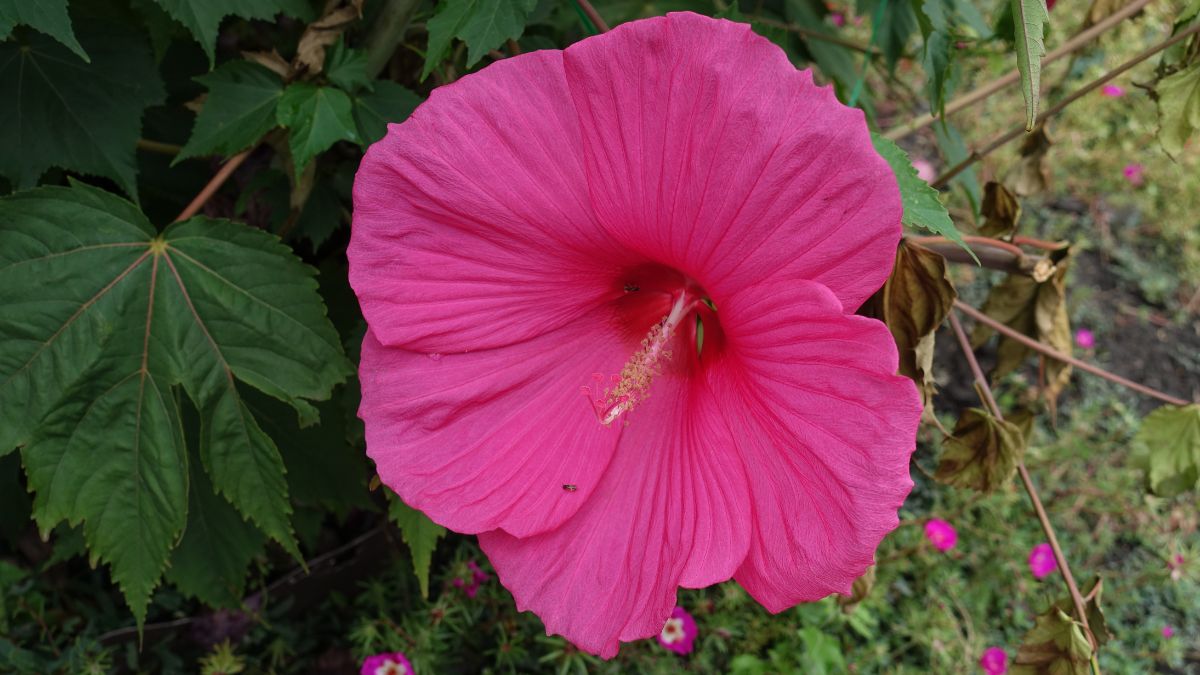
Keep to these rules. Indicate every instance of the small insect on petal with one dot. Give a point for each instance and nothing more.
(567, 487)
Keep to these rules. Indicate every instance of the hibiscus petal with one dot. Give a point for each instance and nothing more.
(489, 439)
(472, 224)
(708, 151)
(671, 510)
(826, 430)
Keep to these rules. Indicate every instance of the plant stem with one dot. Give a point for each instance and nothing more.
(1057, 355)
(386, 33)
(593, 15)
(213, 185)
(1057, 107)
(991, 253)
(158, 147)
(985, 393)
(982, 93)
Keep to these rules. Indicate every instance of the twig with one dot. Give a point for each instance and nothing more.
(992, 254)
(976, 95)
(1057, 107)
(213, 185)
(158, 147)
(810, 34)
(386, 32)
(985, 393)
(593, 15)
(1055, 354)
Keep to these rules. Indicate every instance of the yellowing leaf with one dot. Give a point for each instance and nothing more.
(983, 452)
(1167, 447)
(1097, 622)
(1055, 645)
(1178, 108)
(1001, 211)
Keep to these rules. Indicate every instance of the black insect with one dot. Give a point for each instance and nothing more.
(569, 487)
(630, 288)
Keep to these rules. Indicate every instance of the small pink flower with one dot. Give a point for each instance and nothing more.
(679, 633)
(941, 534)
(994, 661)
(1134, 173)
(1041, 561)
(1050, 4)
(1168, 632)
(925, 170)
(1175, 564)
(1085, 339)
(837, 19)
(1112, 91)
(386, 664)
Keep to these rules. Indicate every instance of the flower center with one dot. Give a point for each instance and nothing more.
(632, 386)
(673, 631)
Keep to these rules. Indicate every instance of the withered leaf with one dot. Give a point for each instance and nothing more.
(1030, 175)
(913, 303)
(858, 591)
(1001, 211)
(983, 452)
(1038, 310)
(320, 34)
(1095, 615)
(1055, 645)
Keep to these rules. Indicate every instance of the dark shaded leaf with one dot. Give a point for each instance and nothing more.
(420, 533)
(239, 110)
(390, 103)
(316, 118)
(347, 68)
(482, 24)
(203, 17)
(47, 16)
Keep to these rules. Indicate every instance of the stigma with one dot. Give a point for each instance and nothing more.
(632, 385)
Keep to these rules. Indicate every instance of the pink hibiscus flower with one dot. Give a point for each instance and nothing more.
(675, 220)
(1112, 91)
(1168, 632)
(941, 534)
(1135, 174)
(994, 661)
(1041, 561)
(394, 663)
(679, 632)
(1085, 339)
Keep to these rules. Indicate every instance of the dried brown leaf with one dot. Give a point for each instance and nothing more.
(271, 60)
(1055, 645)
(1031, 175)
(983, 452)
(1001, 211)
(320, 34)
(858, 591)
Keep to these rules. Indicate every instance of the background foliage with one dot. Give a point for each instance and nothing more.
(182, 479)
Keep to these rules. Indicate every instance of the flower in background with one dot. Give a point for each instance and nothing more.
(394, 663)
(1050, 4)
(1134, 173)
(1175, 564)
(1168, 632)
(838, 19)
(994, 661)
(471, 586)
(618, 343)
(925, 170)
(1085, 339)
(1112, 91)
(679, 633)
(941, 534)
(1041, 561)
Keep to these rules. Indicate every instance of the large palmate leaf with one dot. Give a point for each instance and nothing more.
(48, 16)
(1168, 449)
(482, 24)
(316, 118)
(59, 111)
(100, 317)
(420, 533)
(238, 111)
(922, 208)
(1029, 20)
(203, 17)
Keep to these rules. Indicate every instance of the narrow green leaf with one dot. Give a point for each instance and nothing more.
(316, 118)
(922, 208)
(1178, 108)
(482, 24)
(203, 17)
(238, 111)
(420, 534)
(1029, 20)
(59, 111)
(390, 103)
(47, 16)
(1168, 449)
(100, 319)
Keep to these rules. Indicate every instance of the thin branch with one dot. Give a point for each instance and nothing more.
(159, 147)
(1059, 356)
(992, 254)
(811, 34)
(1057, 107)
(593, 15)
(976, 95)
(213, 185)
(985, 393)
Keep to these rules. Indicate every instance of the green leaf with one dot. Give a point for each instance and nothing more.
(47, 16)
(835, 61)
(100, 319)
(1029, 19)
(954, 150)
(983, 452)
(203, 17)
(938, 61)
(899, 21)
(420, 534)
(1055, 645)
(238, 111)
(1168, 449)
(1178, 108)
(316, 118)
(1097, 622)
(922, 208)
(389, 103)
(347, 68)
(217, 546)
(482, 24)
(60, 111)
